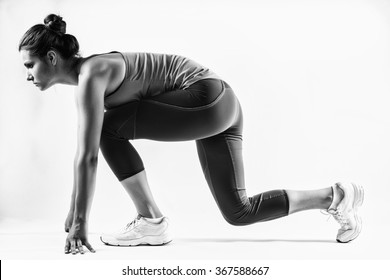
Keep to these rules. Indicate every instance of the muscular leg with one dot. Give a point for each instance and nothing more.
(138, 189)
(176, 115)
(221, 160)
(312, 199)
(222, 164)
(129, 167)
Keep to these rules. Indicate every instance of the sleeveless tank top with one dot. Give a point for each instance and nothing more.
(151, 74)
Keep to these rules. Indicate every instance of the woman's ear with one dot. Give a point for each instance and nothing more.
(52, 57)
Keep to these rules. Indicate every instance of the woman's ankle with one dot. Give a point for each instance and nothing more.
(337, 196)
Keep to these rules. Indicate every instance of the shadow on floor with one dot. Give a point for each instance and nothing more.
(251, 240)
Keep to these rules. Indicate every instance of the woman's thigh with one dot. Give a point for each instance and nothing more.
(205, 109)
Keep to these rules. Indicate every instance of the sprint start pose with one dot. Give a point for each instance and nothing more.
(122, 96)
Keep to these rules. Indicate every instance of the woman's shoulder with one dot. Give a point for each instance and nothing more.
(99, 64)
(108, 70)
(94, 64)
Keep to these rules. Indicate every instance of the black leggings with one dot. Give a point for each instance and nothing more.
(208, 112)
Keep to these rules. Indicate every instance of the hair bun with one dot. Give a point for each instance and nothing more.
(55, 23)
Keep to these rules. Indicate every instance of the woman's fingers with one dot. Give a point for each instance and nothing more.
(67, 247)
(74, 245)
(80, 246)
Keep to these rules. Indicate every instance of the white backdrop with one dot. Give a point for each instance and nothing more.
(312, 78)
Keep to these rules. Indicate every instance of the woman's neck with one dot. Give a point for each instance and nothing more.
(70, 71)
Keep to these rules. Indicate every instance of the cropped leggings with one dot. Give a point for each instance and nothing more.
(209, 113)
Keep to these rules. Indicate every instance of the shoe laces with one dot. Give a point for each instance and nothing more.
(339, 216)
(133, 223)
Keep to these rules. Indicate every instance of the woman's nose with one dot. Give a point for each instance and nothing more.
(29, 77)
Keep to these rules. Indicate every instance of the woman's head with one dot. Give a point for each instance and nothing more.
(45, 48)
(51, 35)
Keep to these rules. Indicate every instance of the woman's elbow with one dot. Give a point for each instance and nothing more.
(89, 160)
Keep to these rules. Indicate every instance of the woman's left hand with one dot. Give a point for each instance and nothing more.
(77, 237)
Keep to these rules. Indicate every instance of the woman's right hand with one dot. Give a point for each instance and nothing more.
(77, 237)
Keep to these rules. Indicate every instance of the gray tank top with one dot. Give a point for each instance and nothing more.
(150, 74)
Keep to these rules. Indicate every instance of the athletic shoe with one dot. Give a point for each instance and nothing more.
(140, 231)
(345, 212)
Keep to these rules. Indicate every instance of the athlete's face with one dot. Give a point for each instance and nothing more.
(40, 71)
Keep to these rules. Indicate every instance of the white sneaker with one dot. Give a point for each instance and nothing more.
(140, 231)
(345, 212)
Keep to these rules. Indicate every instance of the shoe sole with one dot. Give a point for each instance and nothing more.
(146, 240)
(357, 202)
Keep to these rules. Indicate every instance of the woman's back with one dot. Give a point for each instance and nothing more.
(149, 74)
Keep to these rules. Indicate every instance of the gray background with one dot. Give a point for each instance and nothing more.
(313, 81)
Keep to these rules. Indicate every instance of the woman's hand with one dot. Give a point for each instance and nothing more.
(77, 237)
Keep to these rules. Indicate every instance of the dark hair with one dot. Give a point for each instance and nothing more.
(41, 38)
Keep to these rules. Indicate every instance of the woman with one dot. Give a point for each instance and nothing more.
(125, 96)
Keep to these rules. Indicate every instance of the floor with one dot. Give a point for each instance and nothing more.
(277, 240)
(290, 248)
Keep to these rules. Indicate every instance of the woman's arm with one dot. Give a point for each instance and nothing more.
(90, 109)
(69, 218)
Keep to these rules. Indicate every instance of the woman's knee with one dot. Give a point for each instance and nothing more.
(239, 215)
(263, 207)
(235, 221)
